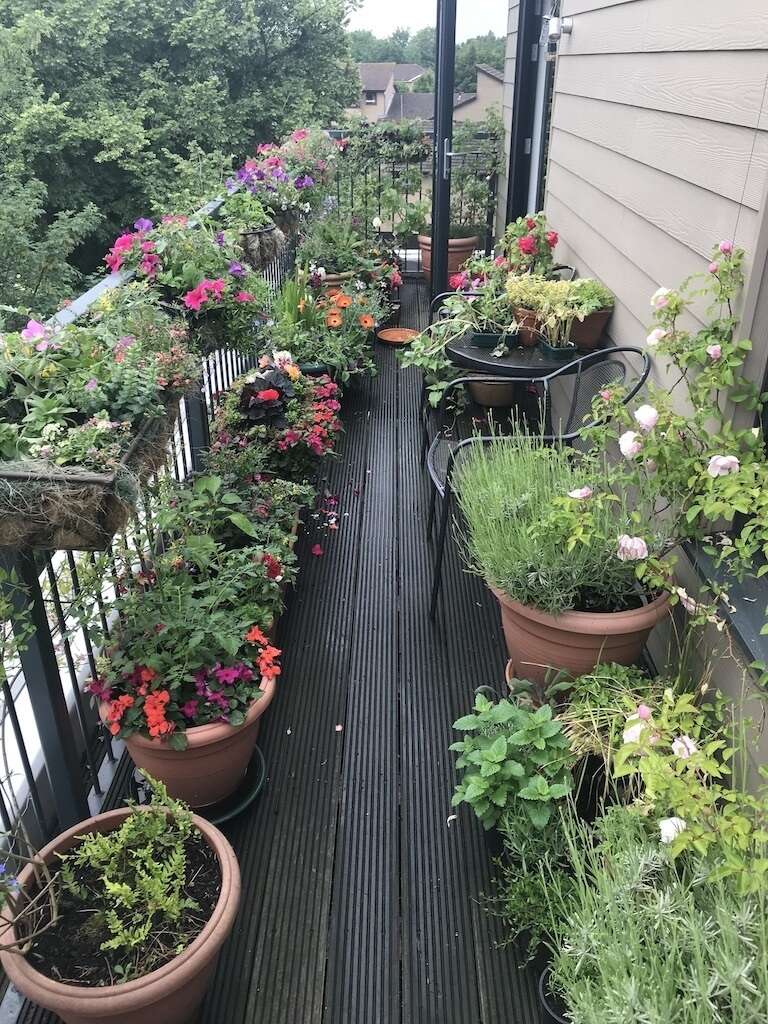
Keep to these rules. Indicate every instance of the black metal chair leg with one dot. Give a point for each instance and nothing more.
(440, 551)
(432, 503)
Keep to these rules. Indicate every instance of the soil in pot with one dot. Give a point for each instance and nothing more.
(70, 950)
(575, 640)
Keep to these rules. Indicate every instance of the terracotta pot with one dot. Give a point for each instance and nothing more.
(171, 994)
(586, 334)
(459, 251)
(528, 333)
(214, 762)
(334, 280)
(575, 641)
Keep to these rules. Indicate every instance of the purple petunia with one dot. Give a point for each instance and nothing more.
(143, 224)
(304, 181)
(236, 269)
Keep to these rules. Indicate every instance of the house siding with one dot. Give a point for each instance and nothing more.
(659, 142)
(506, 102)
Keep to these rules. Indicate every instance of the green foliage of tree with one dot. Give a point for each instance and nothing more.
(487, 49)
(400, 46)
(101, 99)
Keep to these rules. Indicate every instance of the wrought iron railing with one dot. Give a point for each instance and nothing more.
(61, 758)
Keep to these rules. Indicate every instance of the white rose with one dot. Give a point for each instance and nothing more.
(670, 828)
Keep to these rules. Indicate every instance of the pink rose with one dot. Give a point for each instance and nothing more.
(527, 245)
(659, 298)
(684, 747)
(655, 337)
(713, 267)
(714, 352)
(643, 712)
(647, 417)
(580, 493)
(726, 247)
(631, 549)
(630, 444)
(34, 329)
(722, 465)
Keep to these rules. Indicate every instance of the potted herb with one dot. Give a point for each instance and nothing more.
(144, 899)
(593, 305)
(559, 550)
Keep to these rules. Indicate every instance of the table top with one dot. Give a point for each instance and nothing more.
(529, 363)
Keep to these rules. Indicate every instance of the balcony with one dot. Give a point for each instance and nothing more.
(369, 892)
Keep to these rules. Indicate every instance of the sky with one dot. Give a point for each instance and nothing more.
(474, 17)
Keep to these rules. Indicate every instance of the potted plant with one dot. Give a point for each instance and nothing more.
(463, 239)
(139, 902)
(528, 245)
(245, 217)
(528, 505)
(87, 411)
(593, 304)
(190, 669)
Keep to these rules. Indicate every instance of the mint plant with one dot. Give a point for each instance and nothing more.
(511, 755)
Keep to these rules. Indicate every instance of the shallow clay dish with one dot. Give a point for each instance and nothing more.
(397, 335)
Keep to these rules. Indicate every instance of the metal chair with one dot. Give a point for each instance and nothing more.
(590, 374)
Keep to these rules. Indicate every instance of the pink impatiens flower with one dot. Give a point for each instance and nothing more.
(34, 329)
(317, 550)
(631, 549)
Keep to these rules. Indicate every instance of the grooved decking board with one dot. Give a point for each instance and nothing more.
(360, 901)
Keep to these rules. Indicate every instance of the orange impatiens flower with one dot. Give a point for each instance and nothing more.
(366, 321)
(267, 662)
(255, 636)
(343, 301)
(154, 712)
(333, 320)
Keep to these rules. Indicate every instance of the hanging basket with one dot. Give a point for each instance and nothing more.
(262, 245)
(66, 508)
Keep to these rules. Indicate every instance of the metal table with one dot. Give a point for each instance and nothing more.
(529, 363)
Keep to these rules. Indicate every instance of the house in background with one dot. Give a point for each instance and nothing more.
(378, 83)
(467, 106)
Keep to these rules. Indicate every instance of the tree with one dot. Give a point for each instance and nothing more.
(366, 47)
(125, 86)
(421, 48)
(487, 49)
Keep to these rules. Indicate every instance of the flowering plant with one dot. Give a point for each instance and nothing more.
(286, 418)
(191, 645)
(684, 441)
(557, 304)
(528, 245)
(683, 754)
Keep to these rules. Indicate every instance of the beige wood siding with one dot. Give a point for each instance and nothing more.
(506, 104)
(659, 143)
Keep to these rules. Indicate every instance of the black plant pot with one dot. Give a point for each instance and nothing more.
(553, 1009)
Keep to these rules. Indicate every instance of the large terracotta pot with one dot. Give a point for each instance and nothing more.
(459, 251)
(215, 760)
(335, 280)
(575, 641)
(587, 333)
(173, 993)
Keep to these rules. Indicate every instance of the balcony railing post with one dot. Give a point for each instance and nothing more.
(197, 428)
(46, 694)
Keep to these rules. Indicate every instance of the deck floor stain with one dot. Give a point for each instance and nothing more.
(361, 900)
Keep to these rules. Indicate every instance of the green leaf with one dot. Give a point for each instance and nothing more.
(466, 723)
(243, 523)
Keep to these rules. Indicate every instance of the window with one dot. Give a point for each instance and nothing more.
(370, 96)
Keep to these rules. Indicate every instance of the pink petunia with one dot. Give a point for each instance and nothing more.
(195, 298)
(34, 329)
(317, 551)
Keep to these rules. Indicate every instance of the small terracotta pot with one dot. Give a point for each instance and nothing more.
(459, 251)
(575, 641)
(586, 334)
(528, 333)
(334, 280)
(171, 994)
(215, 760)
